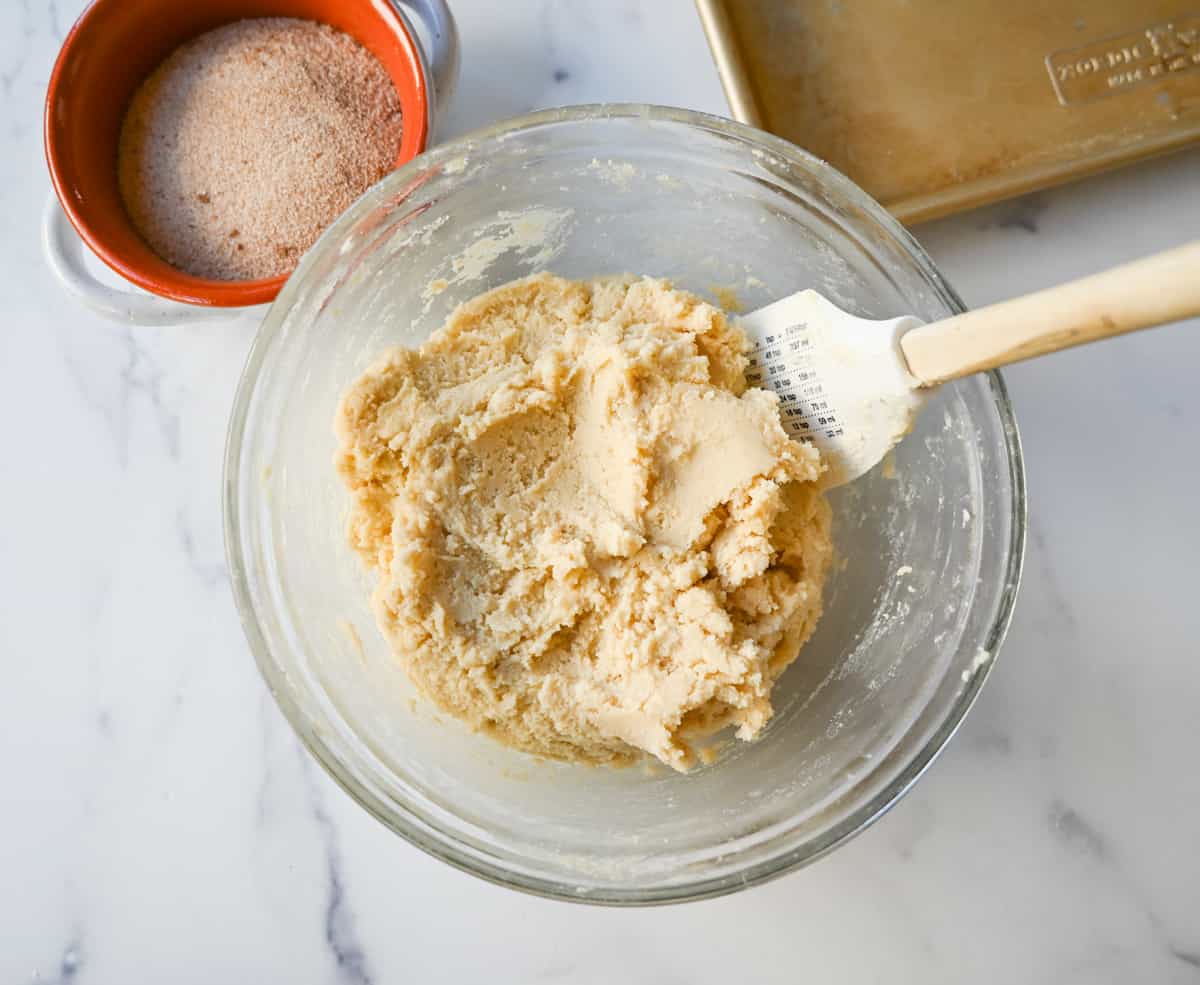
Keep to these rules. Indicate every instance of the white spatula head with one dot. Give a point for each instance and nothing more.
(842, 380)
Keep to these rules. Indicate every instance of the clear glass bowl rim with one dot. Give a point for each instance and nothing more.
(422, 832)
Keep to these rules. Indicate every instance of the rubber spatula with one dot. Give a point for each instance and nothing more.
(854, 386)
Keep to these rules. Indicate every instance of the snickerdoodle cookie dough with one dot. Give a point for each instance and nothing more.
(590, 537)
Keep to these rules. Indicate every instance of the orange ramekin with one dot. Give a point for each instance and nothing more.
(111, 49)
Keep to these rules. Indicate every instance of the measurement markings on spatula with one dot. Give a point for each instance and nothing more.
(782, 360)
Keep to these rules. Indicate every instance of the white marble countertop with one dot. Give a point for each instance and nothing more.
(160, 823)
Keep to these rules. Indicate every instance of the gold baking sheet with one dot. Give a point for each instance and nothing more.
(934, 106)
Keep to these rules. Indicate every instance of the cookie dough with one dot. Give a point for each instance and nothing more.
(591, 539)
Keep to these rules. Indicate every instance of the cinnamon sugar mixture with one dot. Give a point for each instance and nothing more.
(242, 146)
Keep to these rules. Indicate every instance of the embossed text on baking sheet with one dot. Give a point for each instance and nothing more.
(1112, 65)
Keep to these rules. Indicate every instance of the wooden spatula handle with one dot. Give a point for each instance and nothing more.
(1159, 289)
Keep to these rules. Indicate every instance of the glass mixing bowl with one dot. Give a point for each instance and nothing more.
(929, 544)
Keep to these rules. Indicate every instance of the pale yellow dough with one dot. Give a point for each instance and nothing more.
(590, 538)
